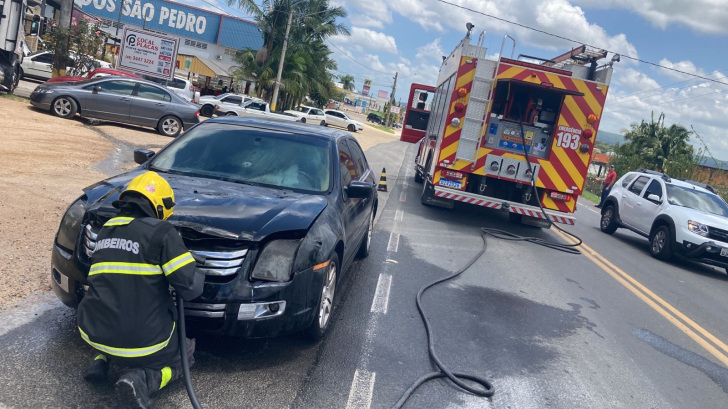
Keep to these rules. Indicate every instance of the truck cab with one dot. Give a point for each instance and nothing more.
(12, 42)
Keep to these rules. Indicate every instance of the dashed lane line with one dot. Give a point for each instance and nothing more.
(381, 295)
(393, 244)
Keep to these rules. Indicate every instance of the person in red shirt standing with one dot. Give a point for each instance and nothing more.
(608, 183)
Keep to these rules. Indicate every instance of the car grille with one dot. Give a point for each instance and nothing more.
(222, 263)
(717, 234)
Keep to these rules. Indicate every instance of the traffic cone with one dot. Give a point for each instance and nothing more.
(383, 181)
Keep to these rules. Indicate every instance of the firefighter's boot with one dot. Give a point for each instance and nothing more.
(133, 391)
(98, 370)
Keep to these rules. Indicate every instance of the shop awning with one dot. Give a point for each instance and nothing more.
(203, 66)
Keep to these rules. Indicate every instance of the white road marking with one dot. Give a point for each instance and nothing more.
(592, 210)
(393, 242)
(403, 197)
(362, 389)
(398, 215)
(381, 296)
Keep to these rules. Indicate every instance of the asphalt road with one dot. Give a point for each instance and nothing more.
(612, 328)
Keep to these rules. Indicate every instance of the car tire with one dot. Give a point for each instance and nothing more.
(607, 223)
(351, 128)
(21, 74)
(303, 120)
(207, 110)
(366, 241)
(169, 126)
(322, 318)
(426, 195)
(418, 176)
(231, 113)
(660, 243)
(323, 123)
(64, 107)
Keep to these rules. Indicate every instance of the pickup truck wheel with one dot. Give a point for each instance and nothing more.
(323, 123)
(207, 110)
(607, 223)
(322, 318)
(351, 128)
(64, 107)
(169, 126)
(660, 246)
(231, 113)
(303, 120)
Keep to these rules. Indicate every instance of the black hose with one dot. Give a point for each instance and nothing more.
(183, 351)
(487, 389)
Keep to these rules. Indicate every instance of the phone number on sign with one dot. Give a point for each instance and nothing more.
(139, 59)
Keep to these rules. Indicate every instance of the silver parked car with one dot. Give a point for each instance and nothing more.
(125, 100)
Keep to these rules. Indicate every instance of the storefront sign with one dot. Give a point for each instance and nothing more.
(148, 53)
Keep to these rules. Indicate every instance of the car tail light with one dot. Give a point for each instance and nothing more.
(560, 196)
(452, 174)
(197, 113)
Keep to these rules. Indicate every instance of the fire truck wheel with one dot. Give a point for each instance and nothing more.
(514, 217)
(426, 195)
(418, 176)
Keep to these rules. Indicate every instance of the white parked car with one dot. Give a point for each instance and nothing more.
(208, 102)
(180, 86)
(678, 216)
(252, 107)
(338, 118)
(39, 65)
(309, 115)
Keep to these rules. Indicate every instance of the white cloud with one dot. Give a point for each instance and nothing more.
(364, 38)
(364, 20)
(705, 16)
(685, 66)
(431, 50)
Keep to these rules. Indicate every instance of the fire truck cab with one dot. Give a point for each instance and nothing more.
(510, 132)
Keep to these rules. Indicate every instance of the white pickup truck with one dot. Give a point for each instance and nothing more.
(253, 107)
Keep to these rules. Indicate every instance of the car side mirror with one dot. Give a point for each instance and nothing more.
(358, 190)
(97, 89)
(141, 156)
(653, 198)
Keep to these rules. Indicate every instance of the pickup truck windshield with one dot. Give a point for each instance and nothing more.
(694, 199)
(249, 155)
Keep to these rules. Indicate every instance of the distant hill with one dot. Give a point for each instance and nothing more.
(609, 137)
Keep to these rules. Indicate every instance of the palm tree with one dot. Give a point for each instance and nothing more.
(659, 147)
(247, 6)
(347, 82)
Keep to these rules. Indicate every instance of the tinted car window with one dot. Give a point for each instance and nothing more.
(117, 87)
(303, 110)
(44, 58)
(317, 112)
(149, 92)
(654, 189)
(347, 165)
(627, 179)
(258, 106)
(638, 185)
(177, 83)
(233, 100)
(358, 156)
(246, 155)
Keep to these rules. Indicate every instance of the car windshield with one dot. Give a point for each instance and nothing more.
(250, 155)
(221, 96)
(695, 199)
(303, 109)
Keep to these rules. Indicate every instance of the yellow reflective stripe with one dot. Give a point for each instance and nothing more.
(124, 268)
(101, 357)
(166, 376)
(177, 263)
(118, 221)
(128, 352)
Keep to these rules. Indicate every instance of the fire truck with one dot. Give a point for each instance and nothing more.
(488, 117)
(12, 37)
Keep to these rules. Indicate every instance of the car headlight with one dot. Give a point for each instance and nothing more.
(44, 91)
(698, 228)
(275, 262)
(71, 225)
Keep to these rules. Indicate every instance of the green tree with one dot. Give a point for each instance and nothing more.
(347, 82)
(247, 6)
(84, 39)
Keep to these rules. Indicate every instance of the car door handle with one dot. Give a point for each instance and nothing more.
(124, 99)
(624, 196)
(639, 204)
(160, 103)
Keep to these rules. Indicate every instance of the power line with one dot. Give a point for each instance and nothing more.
(580, 42)
(347, 56)
(667, 102)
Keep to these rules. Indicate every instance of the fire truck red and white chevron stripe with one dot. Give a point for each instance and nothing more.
(539, 215)
(469, 200)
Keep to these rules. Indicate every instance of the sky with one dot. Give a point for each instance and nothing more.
(411, 36)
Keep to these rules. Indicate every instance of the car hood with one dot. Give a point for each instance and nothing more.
(712, 220)
(295, 113)
(218, 208)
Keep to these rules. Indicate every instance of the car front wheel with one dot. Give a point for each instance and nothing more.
(303, 120)
(660, 243)
(169, 126)
(352, 128)
(323, 123)
(322, 320)
(207, 110)
(607, 223)
(64, 107)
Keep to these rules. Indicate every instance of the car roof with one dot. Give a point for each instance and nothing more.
(675, 182)
(284, 126)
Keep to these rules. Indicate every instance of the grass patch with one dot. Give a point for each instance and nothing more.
(591, 197)
(14, 98)
(382, 128)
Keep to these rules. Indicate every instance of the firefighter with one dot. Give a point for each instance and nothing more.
(128, 314)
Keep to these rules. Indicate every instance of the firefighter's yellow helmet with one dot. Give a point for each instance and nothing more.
(156, 189)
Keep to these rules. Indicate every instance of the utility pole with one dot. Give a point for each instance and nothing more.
(391, 100)
(280, 63)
